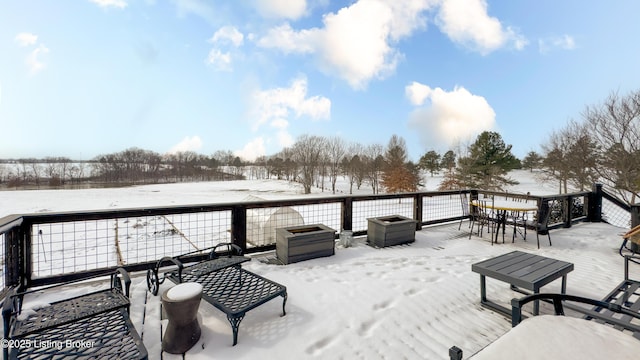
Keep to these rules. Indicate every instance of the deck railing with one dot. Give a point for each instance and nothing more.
(47, 248)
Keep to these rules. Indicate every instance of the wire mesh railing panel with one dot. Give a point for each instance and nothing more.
(329, 214)
(150, 238)
(615, 215)
(59, 248)
(364, 209)
(261, 223)
(76, 246)
(439, 207)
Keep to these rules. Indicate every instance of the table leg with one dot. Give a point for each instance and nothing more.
(563, 289)
(536, 303)
(497, 225)
(503, 220)
(483, 289)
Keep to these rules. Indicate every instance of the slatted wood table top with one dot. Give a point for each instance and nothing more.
(522, 271)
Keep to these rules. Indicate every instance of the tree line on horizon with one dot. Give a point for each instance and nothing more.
(603, 147)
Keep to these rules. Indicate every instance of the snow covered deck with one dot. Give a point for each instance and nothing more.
(410, 301)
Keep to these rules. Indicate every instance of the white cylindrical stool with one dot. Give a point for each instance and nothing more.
(181, 304)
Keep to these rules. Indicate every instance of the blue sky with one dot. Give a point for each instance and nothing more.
(88, 77)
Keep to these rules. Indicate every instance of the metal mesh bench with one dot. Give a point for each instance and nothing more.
(94, 325)
(225, 284)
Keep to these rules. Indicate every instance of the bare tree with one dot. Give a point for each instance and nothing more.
(352, 167)
(307, 153)
(571, 157)
(373, 162)
(335, 150)
(614, 126)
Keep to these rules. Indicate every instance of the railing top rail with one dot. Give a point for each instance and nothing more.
(67, 216)
(9, 222)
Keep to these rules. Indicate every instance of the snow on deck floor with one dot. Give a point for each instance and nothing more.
(412, 301)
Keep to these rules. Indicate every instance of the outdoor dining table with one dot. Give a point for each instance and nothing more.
(501, 207)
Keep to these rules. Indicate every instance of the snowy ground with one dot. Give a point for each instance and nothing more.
(412, 301)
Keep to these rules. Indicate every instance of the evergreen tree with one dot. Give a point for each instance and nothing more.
(448, 161)
(430, 161)
(532, 161)
(488, 163)
(399, 174)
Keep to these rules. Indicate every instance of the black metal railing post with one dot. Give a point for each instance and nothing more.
(26, 257)
(12, 257)
(239, 226)
(595, 204)
(417, 210)
(347, 213)
(635, 215)
(568, 211)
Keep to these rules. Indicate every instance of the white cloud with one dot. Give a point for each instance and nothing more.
(417, 93)
(287, 40)
(252, 150)
(189, 143)
(274, 106)
(279, 124)
(200, 8)
(284, 139)
(467, 22)
(228, 34)
(219, 60)
(34, 61)
(565, 42)
(450, 117)
(120, 4)
(281, 9)
(26, 39)
(357, 42)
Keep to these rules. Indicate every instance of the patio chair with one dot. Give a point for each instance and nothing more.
(540, 223)
(620, 317)
(483, 216)
(99, 319)
(620, 308)
(631, 244)
(519, 221)
(466, 214)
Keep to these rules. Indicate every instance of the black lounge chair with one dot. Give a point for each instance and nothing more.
(93, 325)
(225, 284)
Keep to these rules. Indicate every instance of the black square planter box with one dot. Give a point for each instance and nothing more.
(298, 243)
(391, 230)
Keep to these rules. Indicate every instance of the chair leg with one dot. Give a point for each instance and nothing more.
(549, 236)
(538, 238)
